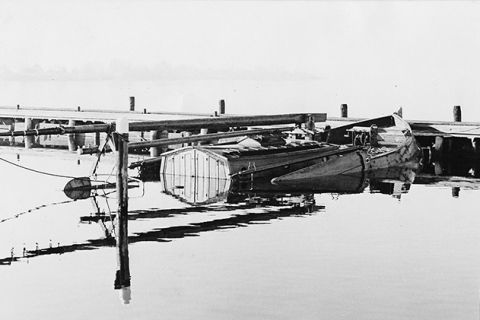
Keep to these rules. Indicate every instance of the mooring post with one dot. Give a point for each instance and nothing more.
(203, 131)
(122, 279)
(221, 107)
(132, 103)
(455, 192)
(11, 139)
(164, 135)
(97, 139)
(28, 139)
(154, 151)
(72, 143)
(344, 110)
(186, 134)
(457, 114)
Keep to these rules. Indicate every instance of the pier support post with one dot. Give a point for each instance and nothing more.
(344, 110)
(122, 279)
(203, 131)
(221, 107)
(97, 139)
(28, 139)
(164, 135)
(186, 134)
(455, 192)
(11, 139)
(154, 151)
(457, 114)
(72, 143)
(132, 103)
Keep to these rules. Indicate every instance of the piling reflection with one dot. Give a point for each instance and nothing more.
(237, 203)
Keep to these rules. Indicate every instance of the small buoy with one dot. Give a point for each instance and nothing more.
(36, 246)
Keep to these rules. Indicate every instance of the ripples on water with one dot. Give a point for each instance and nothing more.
(380, 248)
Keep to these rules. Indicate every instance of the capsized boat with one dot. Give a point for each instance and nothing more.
(382, 143)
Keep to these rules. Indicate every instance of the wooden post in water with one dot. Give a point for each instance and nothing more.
(132, 103)
(12, 128)
(203, 131)
(164, 135)
(455, 192)
(154, 151)
(122, 278)
(344, 110)
(28, 139)
(221, 107)
(97, 139)
(457, 114)
(72, 143)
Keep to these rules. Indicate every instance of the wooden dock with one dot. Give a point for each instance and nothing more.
(28, 122)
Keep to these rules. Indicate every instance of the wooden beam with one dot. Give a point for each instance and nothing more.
(122, 277)
(182, 124)
(202, 137)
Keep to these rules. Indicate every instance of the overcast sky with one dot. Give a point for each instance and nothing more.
(308, 38)
(405, 45)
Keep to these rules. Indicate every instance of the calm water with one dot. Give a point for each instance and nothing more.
(413, 255)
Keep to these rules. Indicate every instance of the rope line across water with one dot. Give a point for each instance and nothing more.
(37, 171)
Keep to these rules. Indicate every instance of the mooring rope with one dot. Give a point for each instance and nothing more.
(37, 171)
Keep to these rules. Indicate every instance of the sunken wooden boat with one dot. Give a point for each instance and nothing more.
(243, 162)
(382, 143)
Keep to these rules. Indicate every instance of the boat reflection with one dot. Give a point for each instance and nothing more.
(234, 203)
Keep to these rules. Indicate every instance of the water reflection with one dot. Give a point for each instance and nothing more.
(241, 203)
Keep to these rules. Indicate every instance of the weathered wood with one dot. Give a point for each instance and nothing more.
(225, 122)
(221, 108)
(122, 278)
(457, 114)
(72, 145)
(182, 124)
(202, 137)
(154, 151)
(28, 126)
(132, 103)
(344, 110)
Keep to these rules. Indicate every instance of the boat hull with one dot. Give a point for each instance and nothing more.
(364, 160)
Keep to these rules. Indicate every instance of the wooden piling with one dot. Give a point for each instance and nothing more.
(164, 135)
(154, 151)
(455, 192)
(12, 128)
(221, 108)
(28, 139)
(72, 144)
(344, 110)
(132, 103)
(97, 139)
(457, 114)
(203, 132)
(122, 278)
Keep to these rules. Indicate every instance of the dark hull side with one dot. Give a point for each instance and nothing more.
(363, 160)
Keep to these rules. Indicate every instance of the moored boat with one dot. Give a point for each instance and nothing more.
(383, 143)
(243, 162)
